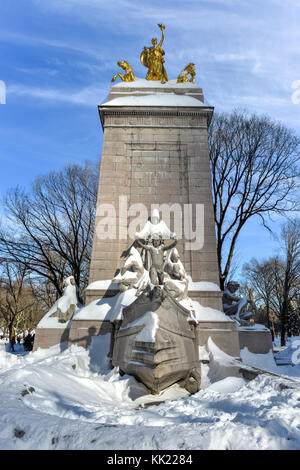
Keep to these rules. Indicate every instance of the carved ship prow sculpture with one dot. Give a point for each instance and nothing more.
(156, 342)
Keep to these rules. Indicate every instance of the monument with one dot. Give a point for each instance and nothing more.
(154, 280)
(155, 151)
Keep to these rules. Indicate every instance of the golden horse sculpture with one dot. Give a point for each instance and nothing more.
(152, 58)
(128, 76)
(188, 70)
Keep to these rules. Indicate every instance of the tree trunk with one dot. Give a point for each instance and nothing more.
(268, 320)
(283, 318)
(10, 330)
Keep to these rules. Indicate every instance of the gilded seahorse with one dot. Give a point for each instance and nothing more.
(188, 70)
(128, 76)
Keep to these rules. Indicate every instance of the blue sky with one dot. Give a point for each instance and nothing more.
(57, 58)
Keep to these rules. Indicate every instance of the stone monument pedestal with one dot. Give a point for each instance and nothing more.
(155, 152)
(224, 334)
(258, 341)
(47, 337)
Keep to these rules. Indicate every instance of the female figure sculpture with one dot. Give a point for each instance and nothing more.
(152, 58)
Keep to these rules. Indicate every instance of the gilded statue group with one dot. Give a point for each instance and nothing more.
(153, 59)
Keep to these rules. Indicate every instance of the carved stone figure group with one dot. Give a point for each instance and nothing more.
(152, 266)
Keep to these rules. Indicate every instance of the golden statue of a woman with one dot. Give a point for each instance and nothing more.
(152, 58)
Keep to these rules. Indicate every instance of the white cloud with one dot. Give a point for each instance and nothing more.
(88, 96)
(38, 41)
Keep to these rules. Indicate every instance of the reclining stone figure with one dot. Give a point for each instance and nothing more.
(233, 305)
(132, 273)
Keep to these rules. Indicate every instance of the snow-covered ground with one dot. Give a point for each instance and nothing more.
(71, 400)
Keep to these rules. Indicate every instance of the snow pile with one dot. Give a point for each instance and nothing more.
(7, 360)
(57, 401)
(221, 365)
(267, 362)
(97, 310)
(103, 285)
(202, 286)
(261, 361)
(290, 354)
(123, 300)
(227, 385)
(107, 308)
(154, 226)
(157, 99)
(208, 314)
(153, 93)
(98, 353)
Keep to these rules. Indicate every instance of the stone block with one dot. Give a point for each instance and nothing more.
(224, 334)
(257, 341)
(82, 331)
(47, 337)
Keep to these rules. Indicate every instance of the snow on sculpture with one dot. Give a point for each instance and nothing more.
(66, 305)
(132, 273)
(155, 226)
(176, 279)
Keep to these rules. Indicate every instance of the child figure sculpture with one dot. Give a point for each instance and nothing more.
(157, 248)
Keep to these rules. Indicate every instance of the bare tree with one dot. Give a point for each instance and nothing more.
(276, 281)
(259, 275)
(49, 229)
(16, 300)
(287, 272)
(254, 173)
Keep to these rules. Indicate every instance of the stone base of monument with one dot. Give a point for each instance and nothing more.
(207, 298)
(47, 337)
(154, 337)
(224, 334)
(156, 341)
(82, 331)
(95, 293)
(55, 325)
(258, 341)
